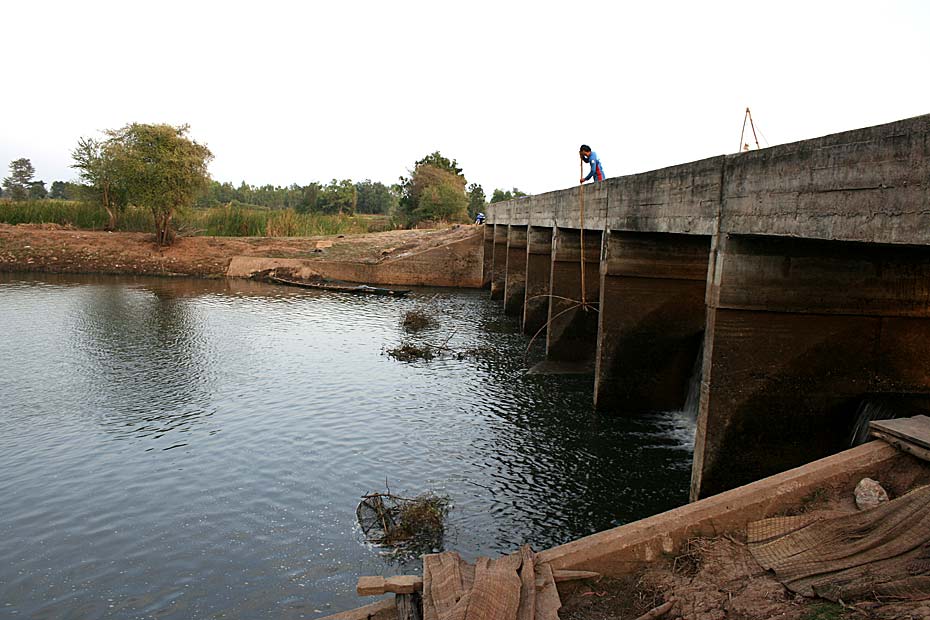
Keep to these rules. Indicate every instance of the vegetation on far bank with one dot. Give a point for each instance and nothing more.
(229, 221)
(154, 177)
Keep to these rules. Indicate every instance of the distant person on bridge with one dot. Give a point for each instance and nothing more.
(590, 157)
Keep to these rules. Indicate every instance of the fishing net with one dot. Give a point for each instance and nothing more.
(409, 525)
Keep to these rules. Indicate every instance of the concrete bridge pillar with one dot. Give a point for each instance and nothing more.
(515, 278)
(538, 272)
(487, 255)
(798, 332)
(572, 331)
(499, 262)
(651, 319)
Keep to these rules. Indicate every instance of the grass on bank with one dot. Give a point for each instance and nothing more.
(231, 221)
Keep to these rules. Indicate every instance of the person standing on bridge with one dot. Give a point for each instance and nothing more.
(590, 157)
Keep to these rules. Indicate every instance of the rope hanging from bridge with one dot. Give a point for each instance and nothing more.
(575, 303)
(584, 302)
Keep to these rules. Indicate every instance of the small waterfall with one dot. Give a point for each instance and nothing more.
(874, 409)
(693, 401)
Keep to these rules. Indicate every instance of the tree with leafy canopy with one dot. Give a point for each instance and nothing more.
(37, 190)
(500, 195)
(98, 166)
(477, 201)
(19, 183)
(435, 190)
(441, 197)
(57, 190)
(160, 168)
(307, 197)
(375, 197)
(338, 197)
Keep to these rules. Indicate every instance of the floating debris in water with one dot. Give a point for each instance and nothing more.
(416, 320)
(408, 352)
(411, 351)
(409, 526)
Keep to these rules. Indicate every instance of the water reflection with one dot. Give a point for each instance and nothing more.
(180, 449)
(145, 358)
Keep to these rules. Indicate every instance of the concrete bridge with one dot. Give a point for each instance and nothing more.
(800, 273)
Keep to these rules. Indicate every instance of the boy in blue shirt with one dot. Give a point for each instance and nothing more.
(590, 157)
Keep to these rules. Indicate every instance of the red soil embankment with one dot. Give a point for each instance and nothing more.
(53, 249)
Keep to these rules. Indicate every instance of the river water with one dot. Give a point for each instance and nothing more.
(179, 449)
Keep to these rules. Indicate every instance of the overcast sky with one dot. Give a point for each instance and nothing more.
(286, 92)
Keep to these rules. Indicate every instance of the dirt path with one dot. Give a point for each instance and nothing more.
(53, 249)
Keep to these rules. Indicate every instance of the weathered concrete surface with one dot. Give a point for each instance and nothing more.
(682, 199)
(499, 262)
(808, 276)
(458, 264)
(651, 320)
(488, 255)
(628, 548)
(559, 208)
(572, 321)
(798, 332)
(870, 184)
(515, 269)
(538, 273)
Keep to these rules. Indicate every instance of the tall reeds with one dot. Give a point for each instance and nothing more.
(227, 221)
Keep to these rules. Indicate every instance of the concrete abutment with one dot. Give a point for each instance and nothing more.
(515, 279)
(487, 255)
(572, 319)
(799, 332)
(499, 262)
(538, 271)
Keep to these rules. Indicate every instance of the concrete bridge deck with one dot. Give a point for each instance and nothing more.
(800, 272)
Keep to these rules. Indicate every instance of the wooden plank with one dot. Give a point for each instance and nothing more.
(903, 445)
(527, 609)
(548, 602)
(366, 612)
(408, 607)
(370, 586)
(398, 584)
(915, 429)
(496, 593)
(561, 575)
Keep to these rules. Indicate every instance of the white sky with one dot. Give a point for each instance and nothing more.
(287, 92)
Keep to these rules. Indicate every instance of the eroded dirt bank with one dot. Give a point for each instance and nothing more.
(52, 249)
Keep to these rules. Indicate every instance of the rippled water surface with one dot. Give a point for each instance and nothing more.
(192, 449)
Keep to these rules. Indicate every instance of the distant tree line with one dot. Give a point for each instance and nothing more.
(338, 196)
(500, 195)
(160, 168)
